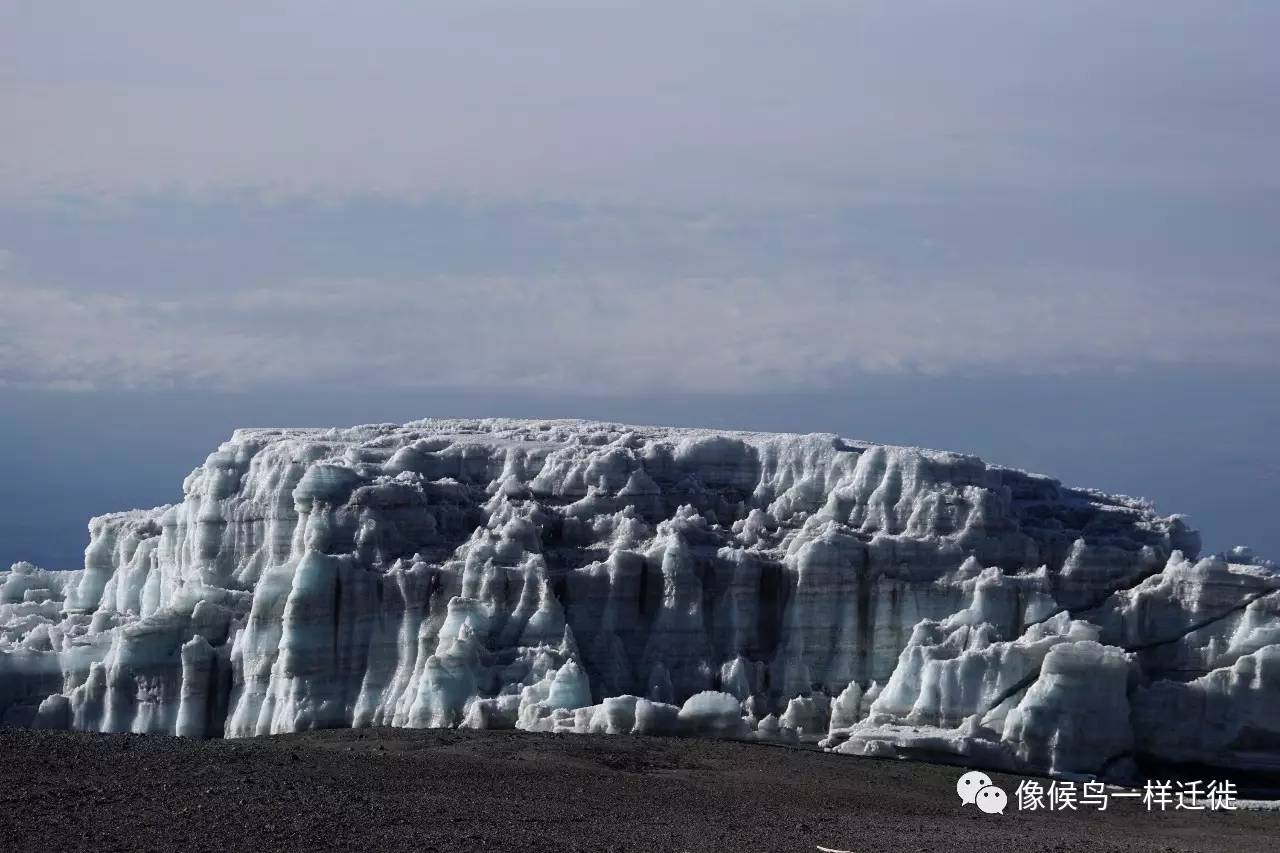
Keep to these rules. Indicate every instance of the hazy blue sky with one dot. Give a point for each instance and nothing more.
(1045, 232)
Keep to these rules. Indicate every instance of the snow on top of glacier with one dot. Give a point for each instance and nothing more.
(558, 432)
(509, 431)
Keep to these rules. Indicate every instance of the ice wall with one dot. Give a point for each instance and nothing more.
(576, 576)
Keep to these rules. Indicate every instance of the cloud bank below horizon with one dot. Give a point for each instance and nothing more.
(610, 333)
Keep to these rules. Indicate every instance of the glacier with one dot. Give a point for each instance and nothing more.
(575, 576)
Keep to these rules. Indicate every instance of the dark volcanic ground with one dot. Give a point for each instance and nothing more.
(390, 789)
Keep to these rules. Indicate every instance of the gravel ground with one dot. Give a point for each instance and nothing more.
(388, 789)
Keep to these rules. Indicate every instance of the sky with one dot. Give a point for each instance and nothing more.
(1044, 233)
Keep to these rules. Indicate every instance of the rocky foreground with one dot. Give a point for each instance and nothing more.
(444, 790)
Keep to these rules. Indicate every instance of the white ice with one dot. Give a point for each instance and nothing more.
(591, 577)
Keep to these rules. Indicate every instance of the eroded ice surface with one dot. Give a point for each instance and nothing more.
(591, 577)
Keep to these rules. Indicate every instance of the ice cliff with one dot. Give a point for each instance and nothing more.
(591, 577)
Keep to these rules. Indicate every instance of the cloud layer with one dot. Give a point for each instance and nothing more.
(624, 196)
(616, 334)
